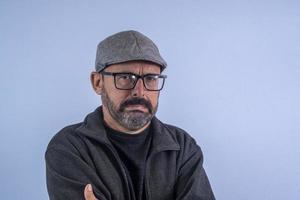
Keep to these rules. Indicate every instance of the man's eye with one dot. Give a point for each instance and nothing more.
(151, 78)
(124, 77)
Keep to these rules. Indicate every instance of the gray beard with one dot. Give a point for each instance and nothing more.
(131, 120)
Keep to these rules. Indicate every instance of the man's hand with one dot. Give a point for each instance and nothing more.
(88, 193)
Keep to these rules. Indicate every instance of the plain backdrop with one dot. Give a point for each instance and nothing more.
(233, 83)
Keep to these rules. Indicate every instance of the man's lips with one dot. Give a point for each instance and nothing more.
(136, 105)
(136, 108)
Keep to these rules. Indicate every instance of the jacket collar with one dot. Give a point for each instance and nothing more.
(93, 128)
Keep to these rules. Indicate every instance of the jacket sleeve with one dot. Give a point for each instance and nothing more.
(67, 174)
(192, 182)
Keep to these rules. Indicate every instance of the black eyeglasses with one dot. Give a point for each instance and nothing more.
(127, 81)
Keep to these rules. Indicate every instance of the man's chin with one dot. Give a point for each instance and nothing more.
(136, 113)
(135, 119)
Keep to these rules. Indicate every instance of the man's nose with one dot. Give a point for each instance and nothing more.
(139, 89)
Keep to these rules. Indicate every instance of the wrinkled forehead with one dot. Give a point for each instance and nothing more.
(138, 67)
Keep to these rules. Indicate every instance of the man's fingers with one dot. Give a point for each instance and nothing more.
(88, 193)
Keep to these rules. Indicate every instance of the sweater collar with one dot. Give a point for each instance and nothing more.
(93, 128)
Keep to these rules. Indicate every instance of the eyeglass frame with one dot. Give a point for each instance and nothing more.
(114, 74)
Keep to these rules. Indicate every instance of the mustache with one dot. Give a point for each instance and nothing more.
(136, 101)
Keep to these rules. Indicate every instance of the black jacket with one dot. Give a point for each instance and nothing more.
(80, 154)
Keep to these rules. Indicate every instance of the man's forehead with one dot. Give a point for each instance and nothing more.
(133, 66)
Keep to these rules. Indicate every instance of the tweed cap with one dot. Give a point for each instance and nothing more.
(127, 46)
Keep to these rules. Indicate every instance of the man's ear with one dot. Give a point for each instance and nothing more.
(97, 82)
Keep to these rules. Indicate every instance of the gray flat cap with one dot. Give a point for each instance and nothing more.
(127, 46)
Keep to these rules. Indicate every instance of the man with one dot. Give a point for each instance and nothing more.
(121, 150)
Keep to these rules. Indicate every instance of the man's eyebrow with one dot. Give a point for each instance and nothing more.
(125, 72)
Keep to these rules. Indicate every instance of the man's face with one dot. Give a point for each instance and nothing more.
(131, 109)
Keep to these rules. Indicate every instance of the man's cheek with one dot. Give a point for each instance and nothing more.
(154, 101)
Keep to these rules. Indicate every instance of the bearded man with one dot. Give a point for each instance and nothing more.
(121, 151)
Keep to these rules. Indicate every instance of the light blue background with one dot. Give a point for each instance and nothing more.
(233, 83)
